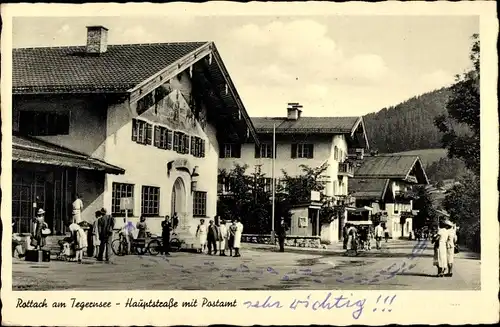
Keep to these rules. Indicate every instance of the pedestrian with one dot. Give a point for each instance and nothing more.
(106, 225)
(379, 231)
(369, 238)
(80, 241)
(95, 233)
(166, 227)
(440, 253)
(141, 235)
(237, 238)
(175, 221)
(282, 229)
(40, 230)
(201, 235)
(351, 239)
(231, 233)
(77, 207)
(222, 237)
(450, 246)
(212, 237)
(386, 234)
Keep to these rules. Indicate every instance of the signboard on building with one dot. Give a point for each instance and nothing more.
(126, 203)
(315, 196)
(303, 222)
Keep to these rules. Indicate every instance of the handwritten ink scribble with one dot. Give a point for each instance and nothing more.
(272, 271)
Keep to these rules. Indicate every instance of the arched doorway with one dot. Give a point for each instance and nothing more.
(178, 203)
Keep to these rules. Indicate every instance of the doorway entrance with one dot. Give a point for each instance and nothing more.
(178, 203)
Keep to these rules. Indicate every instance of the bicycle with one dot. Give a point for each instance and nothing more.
(155, 246)
(120, 246)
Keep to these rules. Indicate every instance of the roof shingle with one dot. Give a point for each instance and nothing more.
(393, 166)
(368, 188)
(305, 124)
(121, 67)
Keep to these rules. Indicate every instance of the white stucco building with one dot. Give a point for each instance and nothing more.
(383, 185)
(300, 140)
(142, 121)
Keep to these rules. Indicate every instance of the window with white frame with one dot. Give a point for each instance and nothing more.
(302, 150)
(199, 204)
(121, 190)
(230, 150)
(142, 132)
(265, 150)
(150, 201)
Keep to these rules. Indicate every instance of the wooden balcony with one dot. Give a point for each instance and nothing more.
(356, 153)
(346, 169)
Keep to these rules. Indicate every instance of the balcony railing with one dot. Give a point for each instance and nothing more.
(346, 169)
(345, 200)
(356, 153)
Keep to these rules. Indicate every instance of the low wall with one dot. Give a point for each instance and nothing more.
(291, 240)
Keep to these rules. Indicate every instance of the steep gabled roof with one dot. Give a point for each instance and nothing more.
(129, 69)
(327, 125)
(32, 150)
(368, 189)
(391, 166)
(63, 69)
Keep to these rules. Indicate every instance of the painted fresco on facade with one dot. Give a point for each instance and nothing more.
(171, 109)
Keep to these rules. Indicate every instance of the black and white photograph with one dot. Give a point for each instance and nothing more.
(245, 153)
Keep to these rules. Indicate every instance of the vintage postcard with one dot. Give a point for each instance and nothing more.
(249, 164)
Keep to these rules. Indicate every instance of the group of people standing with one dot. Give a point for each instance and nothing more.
(444, 240)
(224, 235)
(360, 237)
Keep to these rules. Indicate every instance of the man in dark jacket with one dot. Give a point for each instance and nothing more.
(105, 228)
(281, 232)
(212, 237)
(166, 226)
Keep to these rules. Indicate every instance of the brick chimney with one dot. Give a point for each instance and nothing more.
(293, 110)
(97, 39)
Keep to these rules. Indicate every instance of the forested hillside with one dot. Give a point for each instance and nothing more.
(408, 125)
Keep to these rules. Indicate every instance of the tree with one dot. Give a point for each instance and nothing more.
(463, 109)
(425, 206)
(463, 202)
(297, 189)
(248, 199)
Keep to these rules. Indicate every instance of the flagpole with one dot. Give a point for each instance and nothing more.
(274, 185)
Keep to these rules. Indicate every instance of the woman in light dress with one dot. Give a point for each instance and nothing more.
(201, 235)
(77, 209)
(80, 240)
(450, 247)
(440, 252)
(237, 238)
(222, 237)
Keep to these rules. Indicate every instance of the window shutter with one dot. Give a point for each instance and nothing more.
(149, 132)
(157, 136)
(294, 151)
(237, 150)
(169, 139)
(202, 148)
(193, 145)
(257, 151)
(311, 151)
(134, 130)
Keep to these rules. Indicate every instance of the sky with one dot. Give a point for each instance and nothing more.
(332, 65)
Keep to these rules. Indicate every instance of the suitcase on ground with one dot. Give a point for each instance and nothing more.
(37, 255)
